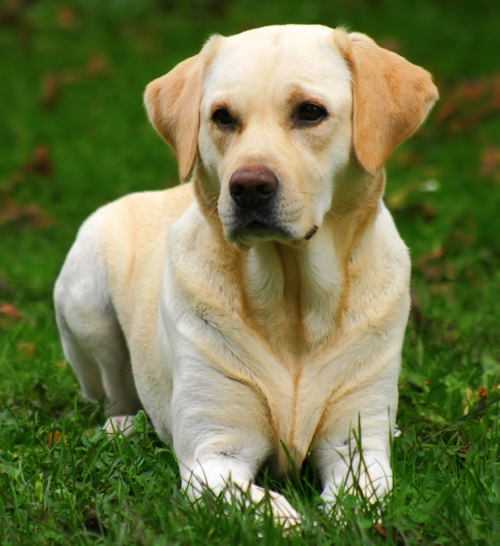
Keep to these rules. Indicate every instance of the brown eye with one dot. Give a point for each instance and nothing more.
(310, 114)
(223, 118)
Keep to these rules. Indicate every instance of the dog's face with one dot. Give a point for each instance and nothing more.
(271, 118)
(275, 129)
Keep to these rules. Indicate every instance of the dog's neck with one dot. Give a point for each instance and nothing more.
(294, 296)
(291, 295)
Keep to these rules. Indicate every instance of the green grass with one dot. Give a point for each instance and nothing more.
(63, 481)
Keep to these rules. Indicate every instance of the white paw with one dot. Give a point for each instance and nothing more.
(372, 477)
(119, 424)
(282, 510)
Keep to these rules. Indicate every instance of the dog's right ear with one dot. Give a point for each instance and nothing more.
(173, 106)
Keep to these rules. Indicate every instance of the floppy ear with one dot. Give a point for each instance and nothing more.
(173, 106)
(391, 98)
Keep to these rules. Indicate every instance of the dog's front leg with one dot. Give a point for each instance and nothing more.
(353, 451)
(221, 437)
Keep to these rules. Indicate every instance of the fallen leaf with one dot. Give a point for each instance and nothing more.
(408, 159)
(50, 90)
(40, 162)
(381, 530)
(11, 12)
(415, 311)
(10, 311)
(55, 436)
(97, 64)
(67, 77)
(469, 102)
(11, 212)
(490, 161)
(26, 347)
(435, 254)
(483, 394)
(92, 523)
(464, 449)
(396, 535)
(60, 364)
(67, 18)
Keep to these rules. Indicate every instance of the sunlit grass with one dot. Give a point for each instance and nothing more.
(61, 479)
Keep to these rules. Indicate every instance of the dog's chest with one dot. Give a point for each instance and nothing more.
(299, 404)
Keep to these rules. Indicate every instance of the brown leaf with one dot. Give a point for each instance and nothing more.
(381, 530)
(396, 535)
(50, 90)
(490, 161)
(40, 162)
(469, 102)
(67, 18)
(55, 436)
(92, 522)
(431, 265)
(408, 159)
(67, 77)
(10, 311)
(26, 347)
(464, 449)
(483, 394)
(12, 213)
(442, 289)
(11, 12)
(97, 64)
(415, 311)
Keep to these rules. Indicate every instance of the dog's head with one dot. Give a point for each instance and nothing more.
(273, 118)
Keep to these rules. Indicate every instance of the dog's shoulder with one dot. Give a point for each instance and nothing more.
(378, 273)
(130, 236)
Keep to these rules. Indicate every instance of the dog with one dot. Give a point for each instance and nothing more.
(264, 303)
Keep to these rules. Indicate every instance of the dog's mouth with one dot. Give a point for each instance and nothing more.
(252, 229)
(256, 226)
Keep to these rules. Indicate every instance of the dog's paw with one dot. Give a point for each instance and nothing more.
(119, 424)
(283, 512)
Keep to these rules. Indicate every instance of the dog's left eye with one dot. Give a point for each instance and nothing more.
(223, 118)
(309, 114)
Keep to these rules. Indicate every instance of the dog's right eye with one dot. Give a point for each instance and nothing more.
(223, 118)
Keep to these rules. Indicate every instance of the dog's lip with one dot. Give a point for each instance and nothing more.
(257, 229)
(256, 225)
(310, 234)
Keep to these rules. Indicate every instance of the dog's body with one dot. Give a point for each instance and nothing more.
(266, 301)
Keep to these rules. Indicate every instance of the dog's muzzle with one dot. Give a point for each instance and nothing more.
(253, 191)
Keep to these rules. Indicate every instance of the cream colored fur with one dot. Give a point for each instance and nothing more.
(234, 342)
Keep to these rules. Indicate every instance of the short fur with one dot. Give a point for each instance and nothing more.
(236, 340)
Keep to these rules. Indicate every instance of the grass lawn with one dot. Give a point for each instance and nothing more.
(74, 135)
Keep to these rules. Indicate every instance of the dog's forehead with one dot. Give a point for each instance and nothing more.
(279, 54)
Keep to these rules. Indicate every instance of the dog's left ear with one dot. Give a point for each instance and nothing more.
(173, 106)
(391, 97)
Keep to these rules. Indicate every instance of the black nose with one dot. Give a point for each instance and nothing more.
(252, 186)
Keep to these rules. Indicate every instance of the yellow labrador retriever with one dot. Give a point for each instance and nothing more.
(265, 302)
